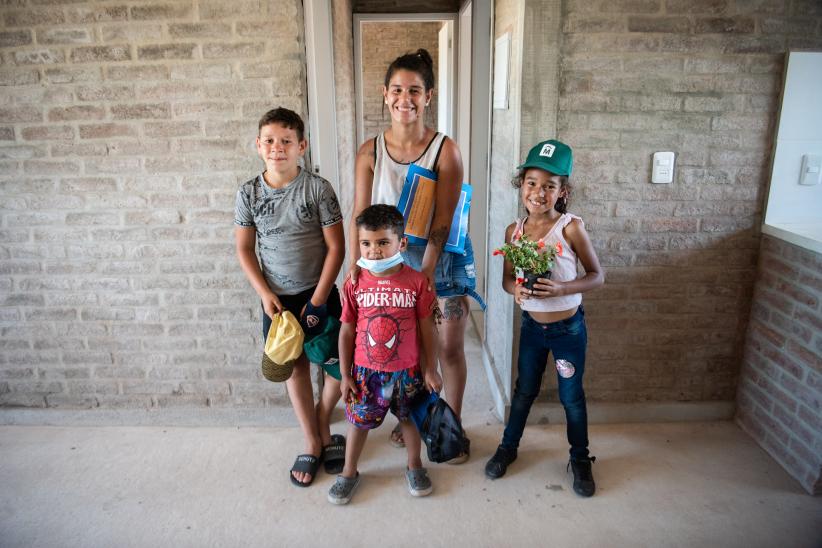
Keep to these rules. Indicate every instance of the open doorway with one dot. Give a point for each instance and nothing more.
(459, 40)
(381, 38)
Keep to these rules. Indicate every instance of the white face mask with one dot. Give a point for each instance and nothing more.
(379, 265)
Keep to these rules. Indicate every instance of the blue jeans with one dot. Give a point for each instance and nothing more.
(566, 340)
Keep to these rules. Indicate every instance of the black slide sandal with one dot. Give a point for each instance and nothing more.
(334, 455)
(307, 464)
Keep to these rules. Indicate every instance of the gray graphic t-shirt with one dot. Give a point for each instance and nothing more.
(289, 223)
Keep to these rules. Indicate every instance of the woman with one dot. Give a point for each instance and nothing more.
(380, 170)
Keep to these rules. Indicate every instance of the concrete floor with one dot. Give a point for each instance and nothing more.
(675, 484)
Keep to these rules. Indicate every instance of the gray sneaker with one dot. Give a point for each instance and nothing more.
(419, 484)
(343, 489)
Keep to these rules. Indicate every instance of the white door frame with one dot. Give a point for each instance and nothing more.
(321, 106)
(319, 58)
(478, 166)
(463, 129)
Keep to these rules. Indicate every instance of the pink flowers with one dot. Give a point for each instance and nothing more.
(559, 248)
(498, 252)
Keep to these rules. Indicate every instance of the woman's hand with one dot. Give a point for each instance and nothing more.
(429, 273)
(433, 381)
(352, 274)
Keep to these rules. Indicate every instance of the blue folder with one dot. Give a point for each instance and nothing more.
(459, 223)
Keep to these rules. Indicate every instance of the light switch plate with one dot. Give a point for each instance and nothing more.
(662, 169)
(811, 166)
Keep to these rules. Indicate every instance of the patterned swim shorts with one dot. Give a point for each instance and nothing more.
(380, 391)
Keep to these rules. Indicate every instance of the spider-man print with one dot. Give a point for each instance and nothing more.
(382, 339)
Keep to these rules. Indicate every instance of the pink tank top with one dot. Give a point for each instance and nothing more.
(565, 267)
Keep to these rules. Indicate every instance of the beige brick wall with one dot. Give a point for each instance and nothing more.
(125, 130)
(780, 389)
(382, 42)
(701, 78)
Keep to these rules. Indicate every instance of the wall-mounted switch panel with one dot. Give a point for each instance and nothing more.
(811, 168)
(663, 167)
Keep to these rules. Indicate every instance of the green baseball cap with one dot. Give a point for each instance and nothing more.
(322, 349)
(551, 155)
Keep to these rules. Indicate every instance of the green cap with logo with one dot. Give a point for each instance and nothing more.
(551, 155)
(322, 348)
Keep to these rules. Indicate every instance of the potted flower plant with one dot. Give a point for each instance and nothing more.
(531, 259)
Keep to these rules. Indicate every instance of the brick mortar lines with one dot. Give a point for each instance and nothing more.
(673, 271)
(779, 393)
(695, 101)
(118, 120)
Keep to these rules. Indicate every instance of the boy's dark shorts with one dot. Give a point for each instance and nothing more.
(380, 391)
(295, 304)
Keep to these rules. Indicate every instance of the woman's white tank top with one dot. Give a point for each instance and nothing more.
(565, 267)
(389, 175)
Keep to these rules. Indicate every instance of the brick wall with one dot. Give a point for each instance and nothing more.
(125, 130)
(701, 78)
(382, 42)
(780, 389)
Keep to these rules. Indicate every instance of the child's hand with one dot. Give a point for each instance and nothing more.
(348, 389)
(521, 294)
(433, 381)
(271, 304)
(545, 288)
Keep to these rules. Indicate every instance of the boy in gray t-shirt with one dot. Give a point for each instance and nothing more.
(292, 218)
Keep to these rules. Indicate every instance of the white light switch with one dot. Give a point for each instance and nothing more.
(811, 167)
(662, 170)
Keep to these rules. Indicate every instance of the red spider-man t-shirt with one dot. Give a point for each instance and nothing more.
(386, 310)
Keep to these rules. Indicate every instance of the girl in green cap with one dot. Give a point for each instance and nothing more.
(553, 319)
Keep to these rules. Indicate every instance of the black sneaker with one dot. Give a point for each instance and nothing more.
(584, 485)
(498, 464)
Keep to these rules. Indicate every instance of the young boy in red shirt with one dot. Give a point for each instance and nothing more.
(386, 316)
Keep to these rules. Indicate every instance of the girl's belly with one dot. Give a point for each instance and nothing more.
(548, 317)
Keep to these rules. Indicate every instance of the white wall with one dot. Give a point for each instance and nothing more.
(799, 132)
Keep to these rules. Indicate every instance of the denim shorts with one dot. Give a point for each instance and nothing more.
(455, 274)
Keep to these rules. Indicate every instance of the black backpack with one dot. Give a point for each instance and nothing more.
(442, 433)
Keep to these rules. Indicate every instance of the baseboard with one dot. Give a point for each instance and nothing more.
(195, 417)
(541, 413)
(604, 413)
